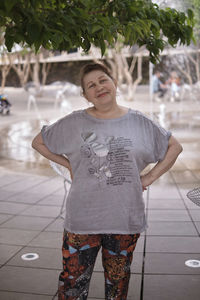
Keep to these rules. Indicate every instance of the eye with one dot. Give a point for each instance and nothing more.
(103, 80)
(91, 85)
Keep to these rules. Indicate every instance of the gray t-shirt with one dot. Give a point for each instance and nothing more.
(107, 157)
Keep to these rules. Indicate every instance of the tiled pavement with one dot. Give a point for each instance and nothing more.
(29, 223)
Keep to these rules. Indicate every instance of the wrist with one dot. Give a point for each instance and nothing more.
(151, 177)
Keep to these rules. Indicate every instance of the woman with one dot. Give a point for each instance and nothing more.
(107, 147)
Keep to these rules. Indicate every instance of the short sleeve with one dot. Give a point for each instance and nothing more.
(57, 136)
(156, 141)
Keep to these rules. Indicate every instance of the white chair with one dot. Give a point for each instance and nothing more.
(64, 172)
(194, 196)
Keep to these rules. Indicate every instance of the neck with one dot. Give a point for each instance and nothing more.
(107, 112)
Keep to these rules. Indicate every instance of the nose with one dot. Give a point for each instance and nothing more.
(99, 87)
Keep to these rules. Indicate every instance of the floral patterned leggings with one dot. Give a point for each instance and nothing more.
(79, 255)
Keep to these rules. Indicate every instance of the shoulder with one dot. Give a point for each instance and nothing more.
(138, 115)
(71, 117)
(143, 120)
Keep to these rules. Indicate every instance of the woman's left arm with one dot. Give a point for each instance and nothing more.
(174, 149)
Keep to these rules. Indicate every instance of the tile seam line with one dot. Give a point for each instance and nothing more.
(24, 246)
(188, 211)
(144, 249)
(25, 293)
(20, 180)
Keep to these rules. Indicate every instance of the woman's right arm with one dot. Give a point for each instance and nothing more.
(38, 145)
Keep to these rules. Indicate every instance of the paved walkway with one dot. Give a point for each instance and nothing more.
(31, 195)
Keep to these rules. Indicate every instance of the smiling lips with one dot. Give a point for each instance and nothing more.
(102, 94)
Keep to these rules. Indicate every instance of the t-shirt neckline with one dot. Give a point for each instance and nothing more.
(106, 120)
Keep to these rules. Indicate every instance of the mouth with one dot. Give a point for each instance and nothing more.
(102, 95)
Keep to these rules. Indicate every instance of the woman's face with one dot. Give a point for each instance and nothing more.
(99, 88)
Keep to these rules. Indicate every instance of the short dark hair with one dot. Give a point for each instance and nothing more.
(93, 67)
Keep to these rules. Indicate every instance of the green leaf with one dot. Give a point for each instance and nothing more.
(103, 47)
(9, 4)
(96, 28)
(156, 24)
(9, 41)
(33, 32)
(190, 14)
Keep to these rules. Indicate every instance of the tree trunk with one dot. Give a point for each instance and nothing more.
(5, 69)
(22, 66)
(139, 74)
(45, 71)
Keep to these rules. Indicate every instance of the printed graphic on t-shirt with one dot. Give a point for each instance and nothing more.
(110, 159)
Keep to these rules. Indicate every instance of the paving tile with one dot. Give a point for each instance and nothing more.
(7, 252)
(41, 211)
(88, 298)
(137, 263)
(27, 223)
(165, 179)
(26, 183)
(166, 204)
(164, 192)
(140, 245)
(94, 298)
(48, 187)
(184, 176)
(20, 296)
(192, 164)
(168, 215)
(173, 244)
(55, 200)
(136, 266)
(4, 195)
(195, 214)
(165, 287)
(27, 280)
(198, 226)
(170, 263)
(48, 239)
(171, 228)
(10, 178)
(16, 237)
(57, 225)
(61, 191)
(48, 258)
(25, 197)
(4, 217)
(12, 208)
(97, 286)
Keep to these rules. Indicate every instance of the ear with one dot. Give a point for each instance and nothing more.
(115, 82)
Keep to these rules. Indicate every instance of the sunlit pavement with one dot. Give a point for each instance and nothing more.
(31, 195)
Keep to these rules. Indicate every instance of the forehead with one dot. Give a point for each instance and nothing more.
(94, 75)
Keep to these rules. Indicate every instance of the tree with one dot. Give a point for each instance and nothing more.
(20, 62)
(195, 5)
(5, 68)
(65, 24)
(188, 63)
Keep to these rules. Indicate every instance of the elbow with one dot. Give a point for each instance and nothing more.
(175, 146)
(179, 148)
(33, 144)
(37, 141)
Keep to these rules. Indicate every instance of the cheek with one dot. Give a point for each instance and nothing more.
(89, 95)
